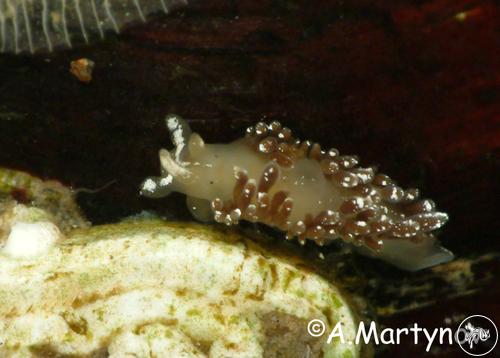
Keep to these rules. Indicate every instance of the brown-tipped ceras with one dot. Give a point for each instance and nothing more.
(270, 177)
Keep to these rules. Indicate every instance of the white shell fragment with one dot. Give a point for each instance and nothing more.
(31, 239)
(26, 232)
(152, 289)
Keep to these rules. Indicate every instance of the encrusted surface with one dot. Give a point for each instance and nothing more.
(162, 289)
(51, 196)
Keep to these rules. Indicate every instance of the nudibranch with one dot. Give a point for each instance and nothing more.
(31, 25)
(270, 177)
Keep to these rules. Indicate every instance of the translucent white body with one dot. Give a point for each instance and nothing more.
(208, 172)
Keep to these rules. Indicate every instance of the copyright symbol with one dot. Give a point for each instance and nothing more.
(316, 328)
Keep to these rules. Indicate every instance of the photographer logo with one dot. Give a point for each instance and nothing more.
(477, 335)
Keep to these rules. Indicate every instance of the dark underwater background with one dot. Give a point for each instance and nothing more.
(410, 86)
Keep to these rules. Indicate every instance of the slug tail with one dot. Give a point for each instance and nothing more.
(411, 255)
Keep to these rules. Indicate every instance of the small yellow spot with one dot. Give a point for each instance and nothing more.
(461, 16)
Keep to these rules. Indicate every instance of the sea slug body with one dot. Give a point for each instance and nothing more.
(270, 177)
(33, 25)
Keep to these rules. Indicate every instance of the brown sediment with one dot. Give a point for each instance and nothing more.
(286, 336)
(82, 69)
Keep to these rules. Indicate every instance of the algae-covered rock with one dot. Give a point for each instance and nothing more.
(157, 289)
(150, 288)
(57, 200)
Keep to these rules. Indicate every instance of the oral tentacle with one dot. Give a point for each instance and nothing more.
(173, 167)
(156, 187)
